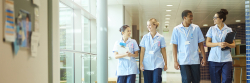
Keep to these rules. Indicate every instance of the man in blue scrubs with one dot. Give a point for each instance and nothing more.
(186, 38)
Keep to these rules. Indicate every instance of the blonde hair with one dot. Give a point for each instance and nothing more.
(154, 21)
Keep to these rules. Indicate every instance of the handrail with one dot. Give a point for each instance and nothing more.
(74, 51)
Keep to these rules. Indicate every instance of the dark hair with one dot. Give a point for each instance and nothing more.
(222, 14)
(185, 13)
(123, 28)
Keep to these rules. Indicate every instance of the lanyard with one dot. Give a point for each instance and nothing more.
(185, 33)
(152, 43)
(220, 36)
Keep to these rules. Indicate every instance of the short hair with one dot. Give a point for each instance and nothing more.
(185, 13)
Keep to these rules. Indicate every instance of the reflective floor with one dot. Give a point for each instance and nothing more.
(174, 78)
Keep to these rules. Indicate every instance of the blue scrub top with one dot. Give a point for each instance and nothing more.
(154, 59)
(187, 53)
(217, 35)
(126, 66)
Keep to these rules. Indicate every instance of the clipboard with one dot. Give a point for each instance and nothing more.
(123, 50)
(229, 39)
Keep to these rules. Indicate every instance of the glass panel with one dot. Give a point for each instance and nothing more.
(93, 69)
(66, 42)
(86, 69)
(66, 27)
(86, 34)
(66, 67)
(85, 4)
(93, 37)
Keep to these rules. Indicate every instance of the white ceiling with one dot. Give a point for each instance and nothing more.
(203, 10)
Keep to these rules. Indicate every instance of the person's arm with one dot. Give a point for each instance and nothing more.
(201, 46)
(175, 52)
(210, 44)
(176, 64)
(163, 52)
(141, 58)
(117, 56)
(133, 55)
(232, 45)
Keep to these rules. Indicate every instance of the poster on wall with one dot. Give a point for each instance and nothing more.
(9, 29)
(17, 42)
(24, 33)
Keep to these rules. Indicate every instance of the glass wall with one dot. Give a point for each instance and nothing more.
(77, 41)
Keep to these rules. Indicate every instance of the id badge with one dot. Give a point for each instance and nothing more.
(151, 52)
(187, 42)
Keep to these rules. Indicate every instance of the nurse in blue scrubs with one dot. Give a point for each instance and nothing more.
(153, 54)
(220, 62)
(127, 68)
(187, 39)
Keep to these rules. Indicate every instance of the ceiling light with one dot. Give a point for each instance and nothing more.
(167, 22)
(168, 10)
(205, 25)
(168, 15)
(237, 20)
(169, 5)
(167, 18)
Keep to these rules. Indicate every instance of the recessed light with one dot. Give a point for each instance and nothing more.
(167, 18)
(168, 10)
(167, 22)
(169, 5)
(237, 20)
(168, 15)
(205, 25)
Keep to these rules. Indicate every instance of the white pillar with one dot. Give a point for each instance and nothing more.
(102, 41)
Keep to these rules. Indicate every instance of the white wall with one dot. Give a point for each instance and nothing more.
(23, 68)
(128, 18)
(115, 21)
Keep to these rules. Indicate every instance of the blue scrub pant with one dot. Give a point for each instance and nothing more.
(190, 73)
(126, 79)
(152, 76)
(217, 69)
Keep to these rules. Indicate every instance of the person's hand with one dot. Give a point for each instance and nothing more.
(221, 45)
(203, 62)
(129, 54)
(165, 68)
(176, 65)
(141, 67)
(126, 54)
(224, 44)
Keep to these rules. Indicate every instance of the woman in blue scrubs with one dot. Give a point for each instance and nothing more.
(127, 67)
(220, 62)
(153, 54)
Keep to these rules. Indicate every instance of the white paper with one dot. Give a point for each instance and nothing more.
(9, 29)
(36, 2)
(34, 43)
(122, 50)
